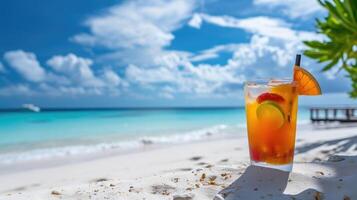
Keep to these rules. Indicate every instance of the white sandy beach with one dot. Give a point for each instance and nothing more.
(203, 170)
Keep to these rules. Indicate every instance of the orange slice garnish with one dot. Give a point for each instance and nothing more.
(306, 82)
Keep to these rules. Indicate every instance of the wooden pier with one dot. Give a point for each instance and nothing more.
(333, 114)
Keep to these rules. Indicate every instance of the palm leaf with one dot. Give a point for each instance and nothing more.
(349, 8)
(314, 54)
(315, 44)
(331, 64)
(340, 29)
(339, 15)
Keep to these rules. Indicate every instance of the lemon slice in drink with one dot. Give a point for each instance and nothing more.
(271, 114)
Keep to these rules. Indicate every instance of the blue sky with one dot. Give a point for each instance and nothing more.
(153, 53)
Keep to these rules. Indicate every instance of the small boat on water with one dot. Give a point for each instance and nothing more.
(31, 107)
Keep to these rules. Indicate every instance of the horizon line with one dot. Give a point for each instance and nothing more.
(19, 109)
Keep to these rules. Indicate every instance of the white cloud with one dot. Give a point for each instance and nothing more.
(29, 67)
(292, 8)
(271, 48)
(16, 89)
(272, 39)
(140, 75)
(48, 89)
(261, 25)
(213, 52)
(136, 24)
(171, 59)
(69, 90)
(262, 57)
(2, 68)
(81, 77)
(120, 30)
(214, 74)
(204, 56)
(77, 90)
(136, 32)
(166, 95)
(196, 21)
(57, 79)
(185, 77)
(78, 69)
(111, 78)
(26, 64)
(150, 66)
(70, 75)
(270, 51)
(168, 89)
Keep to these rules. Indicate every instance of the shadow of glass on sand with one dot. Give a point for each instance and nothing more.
(255, 183)
(332, 179)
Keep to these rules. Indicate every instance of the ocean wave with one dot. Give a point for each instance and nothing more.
(66, 151)
(55, 152)
(185, 137)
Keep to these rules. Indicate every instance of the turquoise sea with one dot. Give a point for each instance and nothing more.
(61, 132)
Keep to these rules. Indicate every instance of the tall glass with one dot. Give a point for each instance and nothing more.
(271, 107)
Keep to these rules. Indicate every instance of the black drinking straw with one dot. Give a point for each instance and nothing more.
(298, 60)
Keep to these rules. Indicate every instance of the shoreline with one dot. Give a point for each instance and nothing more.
(84, 152)
(25, 165)
(159, 165)
(146, 144)
(75, 159)
(101, 165)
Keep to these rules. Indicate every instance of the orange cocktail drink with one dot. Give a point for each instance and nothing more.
(271, 111)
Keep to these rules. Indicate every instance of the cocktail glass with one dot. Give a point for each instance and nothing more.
(271, 111)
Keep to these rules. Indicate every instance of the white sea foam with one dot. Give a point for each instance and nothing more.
(48, 153)
(127, 145)
(186, 137)
(58, 152)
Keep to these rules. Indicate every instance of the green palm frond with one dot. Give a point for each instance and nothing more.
(339, 48)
